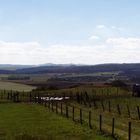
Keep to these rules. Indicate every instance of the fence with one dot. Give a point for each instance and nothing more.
(85, 117)
(124, 109)
(78, 114)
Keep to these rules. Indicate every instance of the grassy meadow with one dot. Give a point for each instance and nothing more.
(102, 96)
(4, 85)
(34, 122)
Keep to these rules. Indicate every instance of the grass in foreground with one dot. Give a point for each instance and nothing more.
(34, 122)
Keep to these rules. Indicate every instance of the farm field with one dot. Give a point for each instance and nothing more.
(35, 122)
(15, 86)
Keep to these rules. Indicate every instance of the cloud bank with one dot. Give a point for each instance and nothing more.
(113, 50)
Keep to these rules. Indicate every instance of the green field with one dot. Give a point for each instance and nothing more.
(35, 122)
(15, 86)
(101, 96)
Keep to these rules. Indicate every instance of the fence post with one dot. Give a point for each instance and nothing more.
(49, 105)
(138, 109)
(118, 108)
(113, 124)
(30, 97)
(73, 113)
(61, 108)
(35, 98)
(67, 114)
(95, 105)
(52, 107)
(109, 106)
(8, 96)
(103, 105)
(100, 124)
(128, 110)
(78, 97)
(56, 108)
(129, 131)
(117, 90)
(90, 120)
(81, 116)
(45, 103)
(81, 98)
(39, 99)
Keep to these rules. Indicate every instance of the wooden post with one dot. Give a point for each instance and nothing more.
(35, 98)
(8, 96)
(61, 108)
(118, 108)
(113, 124)
(18, 96)
(30, 97)
(73, 113)
(129, 131)
(109, 106)
(81, 98)
(138, 109)
(81, 116)
(3, 94)
(117, 90)
(128, 110)
(107, 91)
(45, 103)
(67, 113)
(14, 100)
(100, 124)
(49, 105)
(41, 100)
(95, 105)
(103, 105)
(52, 107)
(56, 108)
(90, 120)
(38, 98)
(78, 97)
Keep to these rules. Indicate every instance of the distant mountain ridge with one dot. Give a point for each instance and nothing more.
(14, 67)
(70, 68)
(18, 66)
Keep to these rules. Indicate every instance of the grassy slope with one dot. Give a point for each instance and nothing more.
(35, 122)
(15, 86)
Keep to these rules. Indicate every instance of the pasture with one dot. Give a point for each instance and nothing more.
(109, 102)
(107, 110)
(34, 122)
(4, 85)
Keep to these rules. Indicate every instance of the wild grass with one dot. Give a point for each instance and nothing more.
(35, 122)
(15, 86)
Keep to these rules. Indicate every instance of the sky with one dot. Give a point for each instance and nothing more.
(69, 31)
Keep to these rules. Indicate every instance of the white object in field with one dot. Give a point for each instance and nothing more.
(53, 98)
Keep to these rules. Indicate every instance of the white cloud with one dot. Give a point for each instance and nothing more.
(108, 31)
(100, 26)
(94, 37)
(112, 50)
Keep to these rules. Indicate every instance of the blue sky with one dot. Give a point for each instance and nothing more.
(48, 29)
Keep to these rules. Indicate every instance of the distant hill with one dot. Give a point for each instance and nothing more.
(14, 67)
(130, 70)
(127, 68)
